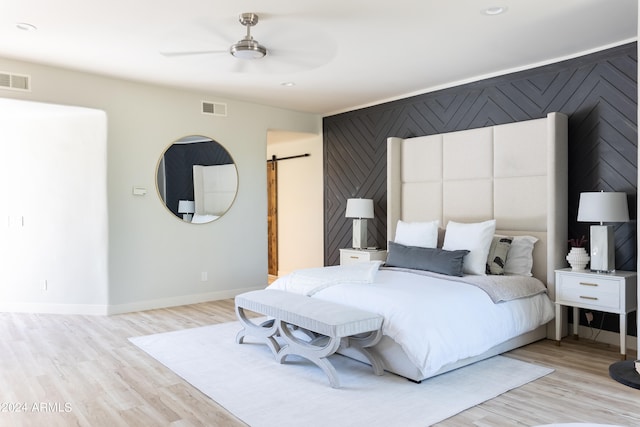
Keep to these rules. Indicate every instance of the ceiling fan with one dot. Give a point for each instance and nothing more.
(292, 50)
(246, 48)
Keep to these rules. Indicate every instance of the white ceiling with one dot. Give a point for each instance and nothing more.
(341, 54)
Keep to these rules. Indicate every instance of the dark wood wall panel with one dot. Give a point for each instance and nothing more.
(598, 92)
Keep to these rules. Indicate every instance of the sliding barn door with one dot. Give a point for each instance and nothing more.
(272, 215)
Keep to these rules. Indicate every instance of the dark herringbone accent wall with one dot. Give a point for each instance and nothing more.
(598, 92)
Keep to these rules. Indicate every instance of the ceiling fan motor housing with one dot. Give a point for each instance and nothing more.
(248, 19)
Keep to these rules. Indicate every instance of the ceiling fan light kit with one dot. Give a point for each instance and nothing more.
(248, 48)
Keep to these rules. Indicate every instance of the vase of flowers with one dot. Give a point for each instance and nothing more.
(578, 257)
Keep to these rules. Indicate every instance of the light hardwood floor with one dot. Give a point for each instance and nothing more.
(81, 370)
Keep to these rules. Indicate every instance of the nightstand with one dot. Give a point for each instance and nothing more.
(349, 256)
(609, 292)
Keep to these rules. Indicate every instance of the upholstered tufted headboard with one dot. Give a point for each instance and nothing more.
(515, 173)
(214, 188)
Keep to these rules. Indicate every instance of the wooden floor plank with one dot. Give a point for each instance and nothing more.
(88, 364)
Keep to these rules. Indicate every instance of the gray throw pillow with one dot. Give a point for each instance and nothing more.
(429, 259)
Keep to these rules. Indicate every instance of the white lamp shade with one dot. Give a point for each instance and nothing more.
(603, 207)
(359, 208)
(186, 206)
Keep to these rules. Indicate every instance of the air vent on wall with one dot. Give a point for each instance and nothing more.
(214, 108)
(15, 81)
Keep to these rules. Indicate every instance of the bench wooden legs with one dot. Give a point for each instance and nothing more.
(266, 330)
(310, 350)
(363, 342)
(316, 350)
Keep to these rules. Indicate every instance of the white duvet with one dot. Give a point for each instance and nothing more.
(436, 321)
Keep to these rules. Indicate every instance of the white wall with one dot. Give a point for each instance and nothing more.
(154, 259)
(300, 200)
(53, 206)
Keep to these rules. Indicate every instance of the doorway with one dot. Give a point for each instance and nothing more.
(295, 202)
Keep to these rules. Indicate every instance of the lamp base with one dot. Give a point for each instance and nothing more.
(602, 249)
(359, 233)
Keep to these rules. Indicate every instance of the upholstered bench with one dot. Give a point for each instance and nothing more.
(332, 325)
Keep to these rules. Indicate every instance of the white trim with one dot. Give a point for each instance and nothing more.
(478, 78)
(82, 309)
(106, 310)
(177, 301)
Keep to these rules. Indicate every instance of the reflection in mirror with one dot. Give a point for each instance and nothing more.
(197, 179)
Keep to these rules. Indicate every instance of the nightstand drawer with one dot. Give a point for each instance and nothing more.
(353, 257)
(592, 291)
(350, 256)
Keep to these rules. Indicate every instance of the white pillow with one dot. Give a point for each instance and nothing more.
(474, 237)
(422, 234)
(520, 256)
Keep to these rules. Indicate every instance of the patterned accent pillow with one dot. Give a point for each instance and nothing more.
(497, 258)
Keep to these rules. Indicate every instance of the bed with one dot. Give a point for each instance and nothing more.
(453, 199)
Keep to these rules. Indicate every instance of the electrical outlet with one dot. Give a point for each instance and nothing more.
(45, 285)
(589, 317)
(204, 276)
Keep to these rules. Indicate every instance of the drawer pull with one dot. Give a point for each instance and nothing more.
(354, 257)
(588, 284)
(591, 298)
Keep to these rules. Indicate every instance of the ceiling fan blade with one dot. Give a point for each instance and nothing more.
(240, 65)
(194, 52)
(311, 47)
(197, 38)
(303, 59)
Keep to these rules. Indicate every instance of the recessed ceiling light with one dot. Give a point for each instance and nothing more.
(24, 26)
(287, 84)
(495, 10)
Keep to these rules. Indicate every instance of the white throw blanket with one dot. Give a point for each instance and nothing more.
(311, 280)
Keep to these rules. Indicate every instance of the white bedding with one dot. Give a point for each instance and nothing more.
(203, 219)
(435, 321)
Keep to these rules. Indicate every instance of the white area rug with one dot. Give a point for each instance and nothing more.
(248, 382)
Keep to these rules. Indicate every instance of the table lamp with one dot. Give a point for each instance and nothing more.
(186, 208)
(603, 207)
(359, 210)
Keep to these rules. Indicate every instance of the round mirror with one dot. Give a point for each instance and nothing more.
(197, 179)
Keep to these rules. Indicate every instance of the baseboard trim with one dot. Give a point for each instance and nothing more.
(177, 301)
(81, 309)
(105, 310)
